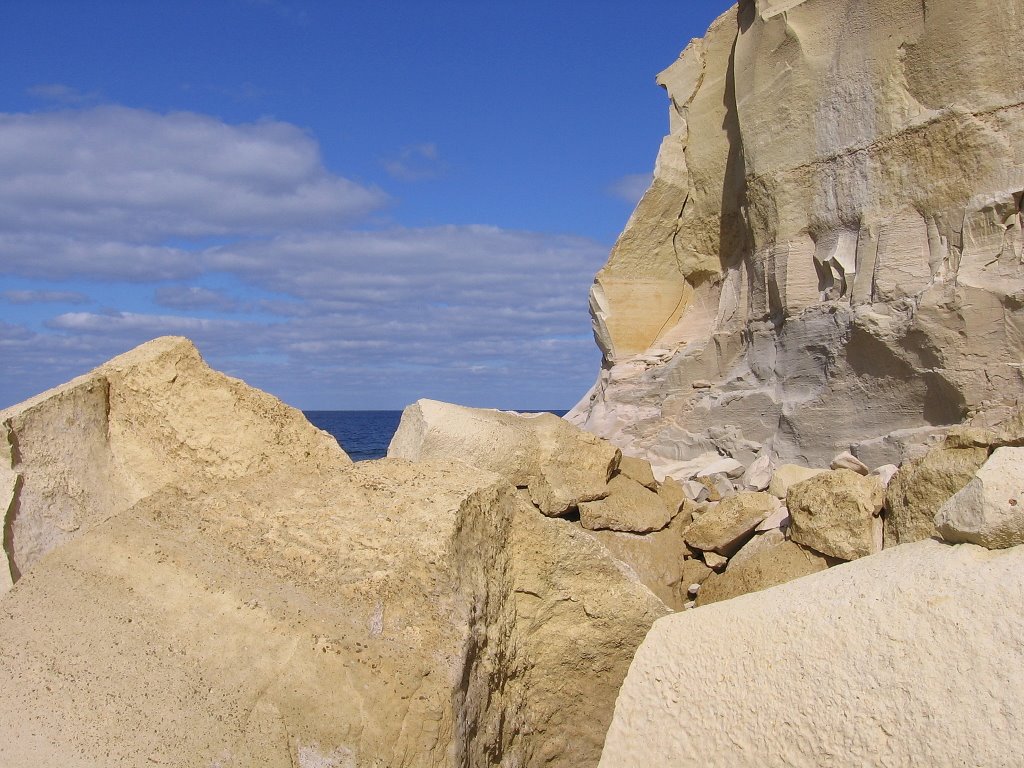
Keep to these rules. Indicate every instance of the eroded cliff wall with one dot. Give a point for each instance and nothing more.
(830, 256)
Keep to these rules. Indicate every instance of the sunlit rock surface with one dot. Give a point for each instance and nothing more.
(202, 578)
(830, 255)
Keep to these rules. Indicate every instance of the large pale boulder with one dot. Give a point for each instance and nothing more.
(559, 463)
(837, 513)
(989, 510)
(829, 256)
(93, 447)
(628, 507)
(767, 567)
(852, 666)
(920, 487)
(726, 527)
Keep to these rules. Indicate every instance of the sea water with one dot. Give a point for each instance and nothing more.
(365, 435)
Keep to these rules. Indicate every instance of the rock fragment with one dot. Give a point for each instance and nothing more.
(628, 507)
(989, 510)
(837, 513)
(725, 528)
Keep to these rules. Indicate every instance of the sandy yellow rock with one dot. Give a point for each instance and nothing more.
(827, 690)
(726, 527)
(837, 513)
(628, 507)
(767, 567)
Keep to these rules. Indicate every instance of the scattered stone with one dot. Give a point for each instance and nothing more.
(836, 513)
(673, 495)
(693, 589)
(656, 559)
(769, 567)
(715, 561)
(628, 507)
(847, 460)
(989, 510)
(701, 384)
(789, 475)
(921, 487)
(694, 572)
(695, 491)
(724, 466)
(759, 474)
(728, 526)
(639, 470)
(757, 544)
(778, 519)
(885, 473)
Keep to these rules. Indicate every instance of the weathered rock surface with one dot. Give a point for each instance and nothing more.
(93, 447)
(788, 475)
(726, 527)
(829, 257)
(560, 464)
(628, 507)
(282, 606)
(989, 510)
(639, 470)
(917, 491)
(837, 513)
(851, 666)
(767, 567)
(657, 560)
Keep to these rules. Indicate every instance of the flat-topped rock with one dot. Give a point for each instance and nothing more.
(628, 507)
(559, 463)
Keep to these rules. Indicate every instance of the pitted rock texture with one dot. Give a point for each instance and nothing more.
(829, 257)
(851, 666)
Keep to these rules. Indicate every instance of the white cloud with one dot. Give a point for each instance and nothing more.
(131, 175)
(59, 93)
(630, 188)
(194, 297)
(321, 313)
(415, 162)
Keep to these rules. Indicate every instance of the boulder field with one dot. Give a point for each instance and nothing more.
(202, 578)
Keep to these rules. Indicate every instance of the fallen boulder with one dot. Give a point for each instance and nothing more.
(920, 487)
(989, 510)
(850, 666)
(767, 567)
(628, 507)
(837, 513)
(726, 527)
(158, 414)
(560, 464)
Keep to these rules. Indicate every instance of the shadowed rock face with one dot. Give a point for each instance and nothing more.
(205, 579)
(832, 240)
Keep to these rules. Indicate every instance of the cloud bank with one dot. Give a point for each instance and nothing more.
(239, 237)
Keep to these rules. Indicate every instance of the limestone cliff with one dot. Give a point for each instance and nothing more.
(830, 256)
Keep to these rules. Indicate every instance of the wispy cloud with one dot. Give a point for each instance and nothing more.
(58, 93)
(416, 162)
(630, 188)
(44, 297)
(194, 298)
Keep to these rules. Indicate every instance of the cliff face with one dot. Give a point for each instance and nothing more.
(830, 256)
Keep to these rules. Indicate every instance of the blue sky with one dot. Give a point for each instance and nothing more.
(348, 204)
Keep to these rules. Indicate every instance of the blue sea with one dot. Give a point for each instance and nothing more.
(364, 435)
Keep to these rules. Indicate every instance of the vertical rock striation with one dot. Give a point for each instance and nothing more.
(832, 239)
